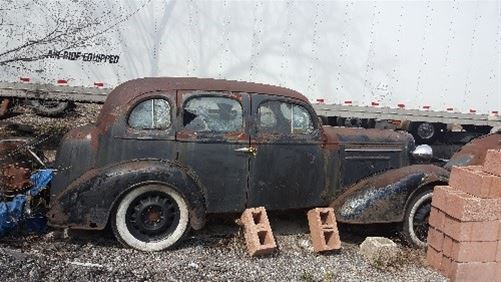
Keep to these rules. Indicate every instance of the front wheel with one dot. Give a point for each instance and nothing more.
(415, 229)
(152, 217)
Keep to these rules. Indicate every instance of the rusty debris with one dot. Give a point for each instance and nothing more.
(16, 166)
(14, 179)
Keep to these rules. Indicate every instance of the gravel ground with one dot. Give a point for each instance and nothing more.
(216, 253)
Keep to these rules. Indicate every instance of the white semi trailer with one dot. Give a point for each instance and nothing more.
(429, 63)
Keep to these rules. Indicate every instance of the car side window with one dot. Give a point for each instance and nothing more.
(277, 117)
(213, 114)
(151, 114)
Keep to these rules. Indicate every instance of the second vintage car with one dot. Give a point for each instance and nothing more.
(166, 152)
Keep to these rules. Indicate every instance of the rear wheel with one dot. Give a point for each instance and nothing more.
(152, 217)
(415, 229)
(50, 108)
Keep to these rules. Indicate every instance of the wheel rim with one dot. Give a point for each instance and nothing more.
(152, 216)
(420, 222)
(419, 216)
(425, 130)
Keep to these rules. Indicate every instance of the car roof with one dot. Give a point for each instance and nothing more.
(130, 89)
(127, 91)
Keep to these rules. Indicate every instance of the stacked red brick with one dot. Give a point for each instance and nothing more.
(464, 239)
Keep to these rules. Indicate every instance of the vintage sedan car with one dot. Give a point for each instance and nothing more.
(166, 152)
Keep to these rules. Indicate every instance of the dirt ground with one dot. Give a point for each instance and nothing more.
(215, 253)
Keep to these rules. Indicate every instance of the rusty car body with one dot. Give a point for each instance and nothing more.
(221, 146)
(474, 152)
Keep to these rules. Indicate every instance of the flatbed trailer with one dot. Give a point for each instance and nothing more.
(83, 94)
(435, 123)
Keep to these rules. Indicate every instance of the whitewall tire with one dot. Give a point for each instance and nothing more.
(152, 217)
(415, 229)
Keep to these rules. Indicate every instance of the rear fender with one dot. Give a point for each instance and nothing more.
(88, 201)
(383, 198)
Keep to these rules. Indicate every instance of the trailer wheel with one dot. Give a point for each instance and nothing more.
(50, 108)
(415, 227)
(152, 217)
(424, 132)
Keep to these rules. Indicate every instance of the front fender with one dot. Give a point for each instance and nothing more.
(383, 198)
(89, 200)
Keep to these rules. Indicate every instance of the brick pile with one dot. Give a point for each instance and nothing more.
(464, 239)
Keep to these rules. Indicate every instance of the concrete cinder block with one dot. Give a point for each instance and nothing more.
(499, 230)
(257, 232)
(440, 195)
(492, 162)
(486, 231)
(472, 251)
(465, 207)
(498, 273)
(474, 181)
(473, 271)
(323, 229)
(434, 258)
(498, 255)
(436, 219)
(447, 246)
(435, 238)
(446, 266)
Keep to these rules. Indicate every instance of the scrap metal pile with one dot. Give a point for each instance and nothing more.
(21, 184)
(15, 170)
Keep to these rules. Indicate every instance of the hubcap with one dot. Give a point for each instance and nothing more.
(152, 216)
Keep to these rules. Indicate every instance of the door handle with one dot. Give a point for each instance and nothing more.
(249, 150)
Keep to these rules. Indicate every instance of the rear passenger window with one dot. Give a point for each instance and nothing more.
(277, 117)
(151, 114)
(212, 114)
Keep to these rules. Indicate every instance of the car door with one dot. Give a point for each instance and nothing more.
(212, 140)
(287, 170)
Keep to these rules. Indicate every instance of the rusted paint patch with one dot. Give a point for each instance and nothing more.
(104, 187)
(336, 135)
